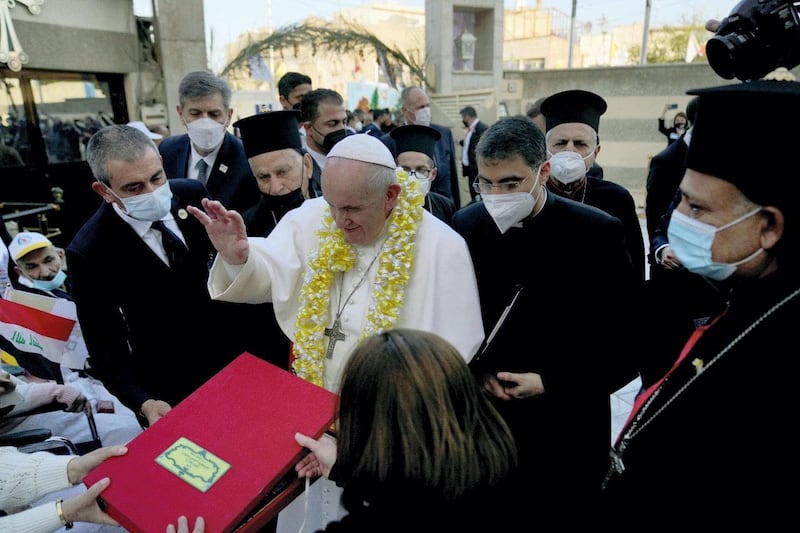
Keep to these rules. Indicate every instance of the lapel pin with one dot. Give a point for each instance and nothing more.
(223, 168)
(182, 214)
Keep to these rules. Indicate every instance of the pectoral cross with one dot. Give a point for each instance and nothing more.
(334, 333)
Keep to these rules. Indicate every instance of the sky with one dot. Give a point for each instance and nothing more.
(229, 18)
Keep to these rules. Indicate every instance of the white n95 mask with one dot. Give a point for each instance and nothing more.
(423, 116)
(206, 134)
(567, 166)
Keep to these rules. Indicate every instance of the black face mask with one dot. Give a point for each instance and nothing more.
(464, 122)
(283, 202)
(297, 106)
(332, 138)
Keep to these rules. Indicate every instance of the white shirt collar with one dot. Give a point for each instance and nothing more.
(139, 226)
(195, 157)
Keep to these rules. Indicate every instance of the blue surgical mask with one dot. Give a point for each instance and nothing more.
(46, 285)
(691, 240)
(150, 206)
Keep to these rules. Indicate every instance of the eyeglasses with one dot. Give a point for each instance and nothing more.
(487, 187)
(418, 173)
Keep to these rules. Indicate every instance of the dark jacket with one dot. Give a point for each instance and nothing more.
(664, 175)
(561, 326)
(372, 129)
(663, 178)
(230, 181)
(694, 441)
(401, 509)
(260, 220)
(152, 331)
(440, 206)
(618, 202)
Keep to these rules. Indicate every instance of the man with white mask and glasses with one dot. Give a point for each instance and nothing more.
(734, 226)
(572, 121)
(140, 264)
(416, 148)
(207, 152)
(556, 401)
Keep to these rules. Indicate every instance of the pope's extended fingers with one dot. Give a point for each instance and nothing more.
(199, 214)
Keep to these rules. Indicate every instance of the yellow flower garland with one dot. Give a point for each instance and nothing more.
(334, 255)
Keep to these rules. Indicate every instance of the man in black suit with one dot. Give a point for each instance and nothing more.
(475, 128)
(416, 109)
(208, 152)
(561, 393)
(664, 175)
(140, 264)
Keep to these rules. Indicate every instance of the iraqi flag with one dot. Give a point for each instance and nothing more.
(35, 339)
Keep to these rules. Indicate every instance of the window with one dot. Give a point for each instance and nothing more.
(49, 117)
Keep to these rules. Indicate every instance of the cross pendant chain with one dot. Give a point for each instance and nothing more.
(334, 333)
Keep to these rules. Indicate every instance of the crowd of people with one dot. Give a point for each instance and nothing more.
(473, 348)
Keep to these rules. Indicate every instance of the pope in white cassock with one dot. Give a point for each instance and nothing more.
(364, 258)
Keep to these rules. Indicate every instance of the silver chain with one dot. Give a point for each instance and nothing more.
(635, 428)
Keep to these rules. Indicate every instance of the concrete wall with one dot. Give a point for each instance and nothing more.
(101, 36)
(79, 35)
(182, 42)
(636, 95)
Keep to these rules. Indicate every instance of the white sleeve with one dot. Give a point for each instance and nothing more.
(27, 476)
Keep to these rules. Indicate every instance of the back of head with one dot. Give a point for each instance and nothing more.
(377, 114)
(202, 83)
(502, 141)
(115, 143)
(748, 158)
(289, 81)
(412, 413)
(535, 109)
(309, 106)
(468, 111)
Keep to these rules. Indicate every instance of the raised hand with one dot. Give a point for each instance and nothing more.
(226, 230)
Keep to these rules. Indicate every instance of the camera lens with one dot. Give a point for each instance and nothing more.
(720, 51)
(735, 55)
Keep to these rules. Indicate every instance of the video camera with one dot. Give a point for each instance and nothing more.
(755, 38)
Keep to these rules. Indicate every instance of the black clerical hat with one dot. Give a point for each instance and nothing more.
(752, 158)
(573, 106)
(267, 132)
(415, 138)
